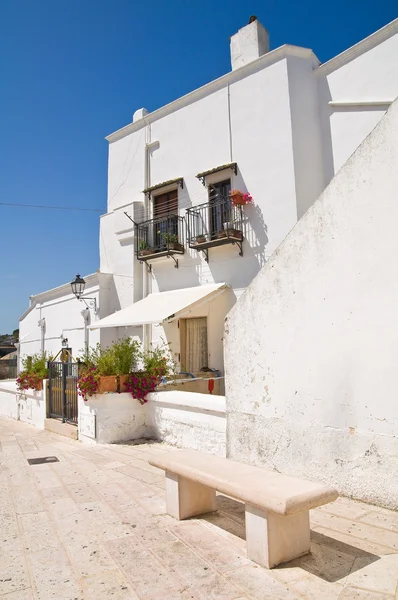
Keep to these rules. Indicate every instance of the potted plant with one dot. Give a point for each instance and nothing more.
(144, 249)
(200, 239)
(240, 198)
(171, 241)
(35, 369)
(230, 231)
(155, 366)
(105, 369)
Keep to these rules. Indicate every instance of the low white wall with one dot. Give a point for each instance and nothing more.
(108, 418)
(189, 420)
(29, 406)
(180, 418)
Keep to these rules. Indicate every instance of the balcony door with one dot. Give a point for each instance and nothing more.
(165, 212)
(220, 210)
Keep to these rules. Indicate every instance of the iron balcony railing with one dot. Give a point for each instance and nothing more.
(160, 236)
(215, 223)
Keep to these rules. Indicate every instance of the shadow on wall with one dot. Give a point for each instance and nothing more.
(256, 232)
(255, 228)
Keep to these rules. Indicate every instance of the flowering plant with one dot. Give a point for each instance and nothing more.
(239, 197)
(28, 380)
(34, 371)
(140, 384)
(170, 238)
(87, 381)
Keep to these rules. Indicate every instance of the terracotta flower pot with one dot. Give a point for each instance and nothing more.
(238, 199)
(122, 383)
(39, 386)
(107, 383)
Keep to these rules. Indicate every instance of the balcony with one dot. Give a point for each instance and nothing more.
(160, 237)
(215, 223)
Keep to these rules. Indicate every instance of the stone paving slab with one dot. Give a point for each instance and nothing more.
(93, 526)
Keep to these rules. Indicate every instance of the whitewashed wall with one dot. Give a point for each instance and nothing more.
(245, 123)
(63, 319)
(311, 346)
(261, 145)
(183, 419)
(29, 406)
(368, 72)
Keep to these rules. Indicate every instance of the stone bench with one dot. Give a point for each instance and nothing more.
(276, 506)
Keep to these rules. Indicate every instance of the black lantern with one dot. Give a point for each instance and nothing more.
(78, 286)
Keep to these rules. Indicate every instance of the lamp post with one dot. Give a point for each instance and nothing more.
(78, 285)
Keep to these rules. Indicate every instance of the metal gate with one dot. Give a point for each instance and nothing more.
(63, 391)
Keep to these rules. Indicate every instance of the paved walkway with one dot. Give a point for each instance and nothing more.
(93, 526)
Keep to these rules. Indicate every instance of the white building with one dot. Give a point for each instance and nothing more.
(279, 126)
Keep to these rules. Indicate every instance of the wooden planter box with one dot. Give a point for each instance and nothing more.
(175, 246)
(146, 252)
(234, 233)
(201, 240)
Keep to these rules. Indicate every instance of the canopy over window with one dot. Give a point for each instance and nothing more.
(161, 306)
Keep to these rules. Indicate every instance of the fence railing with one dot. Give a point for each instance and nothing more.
(218, 219)
(160, 234)
(63, 399)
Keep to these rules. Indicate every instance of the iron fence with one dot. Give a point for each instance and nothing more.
(63, 391)
(218, 219)
(160, 234)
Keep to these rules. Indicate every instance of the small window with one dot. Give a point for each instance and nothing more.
(194, 352)
(165, 204)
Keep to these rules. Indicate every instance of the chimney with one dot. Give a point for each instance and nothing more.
(249, 43)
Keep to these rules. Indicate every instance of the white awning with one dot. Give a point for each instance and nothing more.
(156, 308)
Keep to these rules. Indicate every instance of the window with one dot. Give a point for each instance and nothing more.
(165, 212)
(194, 352)
(220, 205)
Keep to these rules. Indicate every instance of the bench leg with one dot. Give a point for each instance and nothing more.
(273, 539)
(186, 498)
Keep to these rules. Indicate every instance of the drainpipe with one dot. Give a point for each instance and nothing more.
(42, 325)
(146, 280)
(86, 318)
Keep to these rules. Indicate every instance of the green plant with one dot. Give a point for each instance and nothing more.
(170, 238)
(155, 362)
(118, 359)
(34, 371)
(125, 353)
(143, 245)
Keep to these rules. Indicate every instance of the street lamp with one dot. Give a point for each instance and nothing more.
(78, 285)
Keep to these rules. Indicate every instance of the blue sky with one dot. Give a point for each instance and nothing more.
(73, 71)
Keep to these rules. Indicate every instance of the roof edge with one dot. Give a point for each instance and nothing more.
(91, 279)
(213, 86)
(373, 40)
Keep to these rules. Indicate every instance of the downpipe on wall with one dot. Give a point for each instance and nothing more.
(42, 325)
(146, 280)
